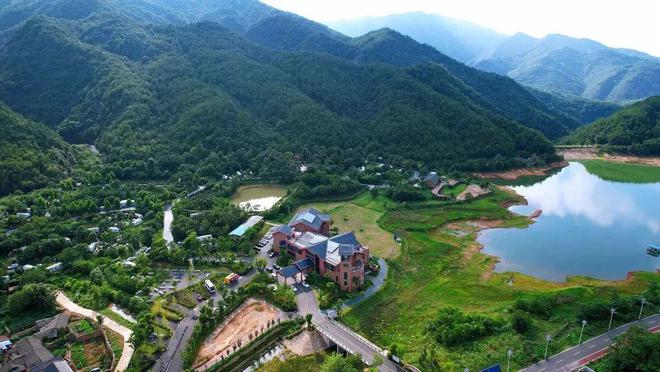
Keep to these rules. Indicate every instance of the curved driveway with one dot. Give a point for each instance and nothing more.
(127, 353)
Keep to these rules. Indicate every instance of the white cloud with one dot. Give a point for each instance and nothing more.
(623, 24)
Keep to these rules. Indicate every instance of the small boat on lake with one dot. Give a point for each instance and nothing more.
(653, 250)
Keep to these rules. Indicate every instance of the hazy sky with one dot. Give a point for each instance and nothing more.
(631, 24)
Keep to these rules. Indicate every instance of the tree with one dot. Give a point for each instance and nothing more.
(99, 320)
(34, 296)
(636, 350)
(377, 362)
(336, 363)
(520, 322)
(308, 319)
(260, 263)
(142, 330)
(35, 275)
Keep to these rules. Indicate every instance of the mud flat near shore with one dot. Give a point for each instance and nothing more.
(587, 153)
(515, 173)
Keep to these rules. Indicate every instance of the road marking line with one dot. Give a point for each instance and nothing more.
(577, 353)
(592, 346)
(607, 339)
(560, 360)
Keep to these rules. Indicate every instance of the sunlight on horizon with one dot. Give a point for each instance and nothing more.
(631, 24)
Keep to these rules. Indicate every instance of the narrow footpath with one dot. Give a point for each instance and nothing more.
(127, 353)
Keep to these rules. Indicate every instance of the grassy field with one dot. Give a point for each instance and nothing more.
(622, 172)
(454, 191)
(116, 317)
(361, 215)
(439, 268)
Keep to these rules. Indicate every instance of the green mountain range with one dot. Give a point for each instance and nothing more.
(634, 129)
(555, 63)
(31, 154)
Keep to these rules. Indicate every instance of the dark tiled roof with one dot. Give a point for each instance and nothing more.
(310, 217)
(345, 238)
(284, 229)
(320, 249)
(289, 271)
(304, 264)
(346, 249)
(296, 267)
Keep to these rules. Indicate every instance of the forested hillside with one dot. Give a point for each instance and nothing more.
(31, 155)
(280, 30)
(579, 67)
(200, 100)
(634, 129)
(580, 109)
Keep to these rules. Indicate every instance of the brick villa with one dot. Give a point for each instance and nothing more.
(306, 237)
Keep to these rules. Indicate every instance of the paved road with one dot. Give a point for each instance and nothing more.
(127, 353)
(348, 340)
(171, 360)
(378, 282)
(581, 355)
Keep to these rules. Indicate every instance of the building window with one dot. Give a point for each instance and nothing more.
(345, 284)
(345, 275)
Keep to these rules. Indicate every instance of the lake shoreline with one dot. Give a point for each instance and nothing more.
(522, 172)
(591, 153)
(497, 256)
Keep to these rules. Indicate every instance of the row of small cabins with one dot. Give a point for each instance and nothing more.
(307, 239)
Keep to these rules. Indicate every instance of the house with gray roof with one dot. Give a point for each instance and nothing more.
(306, 238)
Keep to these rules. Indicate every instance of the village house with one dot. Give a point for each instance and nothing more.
(431, 180)
(306, 237)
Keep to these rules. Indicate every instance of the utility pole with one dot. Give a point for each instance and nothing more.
(547, 343)
(641, 308)
(612, 311)
(584, 323)
(508, 362)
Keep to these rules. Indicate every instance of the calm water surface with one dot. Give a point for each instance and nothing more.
(258, 198)
(588, 227)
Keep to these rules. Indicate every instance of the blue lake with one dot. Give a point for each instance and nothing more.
(588, 227)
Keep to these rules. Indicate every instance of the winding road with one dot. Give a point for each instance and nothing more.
(590, 350)
(127, 353)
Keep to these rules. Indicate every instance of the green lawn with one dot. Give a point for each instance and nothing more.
(454, 191)
(438, 268)
(622, 172)
(116, 317)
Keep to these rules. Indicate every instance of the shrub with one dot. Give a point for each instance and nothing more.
(540, 306)
(452, 327)
(521, 322)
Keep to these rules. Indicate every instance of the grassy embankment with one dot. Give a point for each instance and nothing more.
(438, 268)
(622, 172)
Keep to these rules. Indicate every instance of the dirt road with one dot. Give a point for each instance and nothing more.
(126, 355)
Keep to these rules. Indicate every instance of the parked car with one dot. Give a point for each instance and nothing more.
(271, 254)
(274, 275)
(276, 266)
(293, 288)
(199, 297)
(305, 284)
(269, 269)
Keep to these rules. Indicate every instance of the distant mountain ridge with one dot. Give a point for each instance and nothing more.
(581, 67)
(555, 63)
(458, 39)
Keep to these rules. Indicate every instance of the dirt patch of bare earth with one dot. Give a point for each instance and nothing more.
(515, 173)
(472, 191)
(251, 318)
(307, 343)
(587, 153)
